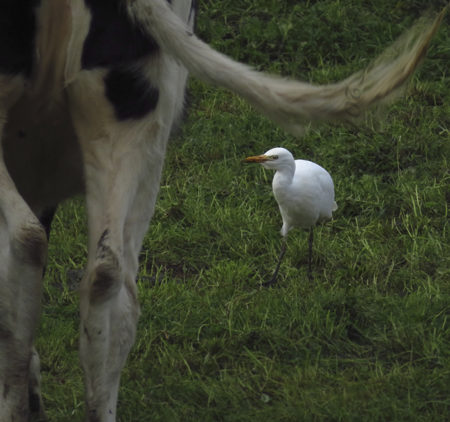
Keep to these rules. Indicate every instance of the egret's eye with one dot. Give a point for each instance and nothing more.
(274, 157)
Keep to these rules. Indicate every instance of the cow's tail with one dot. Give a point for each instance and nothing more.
(289, 103)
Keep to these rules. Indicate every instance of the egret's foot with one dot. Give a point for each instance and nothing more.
(272, 282)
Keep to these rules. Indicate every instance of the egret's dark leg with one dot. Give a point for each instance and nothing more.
(273, 280)
(310, 244)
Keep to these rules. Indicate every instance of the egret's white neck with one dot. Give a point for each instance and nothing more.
(284, 173)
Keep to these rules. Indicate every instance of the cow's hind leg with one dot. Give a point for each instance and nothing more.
(23, 249)
(122, 116)
(109, 306)
(123, 159)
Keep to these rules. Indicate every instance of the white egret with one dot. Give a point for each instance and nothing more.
(304, 192)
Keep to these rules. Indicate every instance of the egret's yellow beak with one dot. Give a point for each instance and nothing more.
(258, 159)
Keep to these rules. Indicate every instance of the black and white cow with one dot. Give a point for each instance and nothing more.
(89, 91)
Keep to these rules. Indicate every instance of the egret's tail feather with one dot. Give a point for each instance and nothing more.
(289, 103)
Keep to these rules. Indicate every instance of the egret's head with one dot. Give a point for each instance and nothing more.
(274, 159)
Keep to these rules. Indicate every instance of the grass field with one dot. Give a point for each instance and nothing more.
(369, 339)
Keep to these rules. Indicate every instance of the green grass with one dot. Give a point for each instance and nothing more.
(369, 339)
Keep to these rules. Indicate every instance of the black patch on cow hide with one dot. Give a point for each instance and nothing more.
(17, 35)
(113, 39)
(131, 95)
